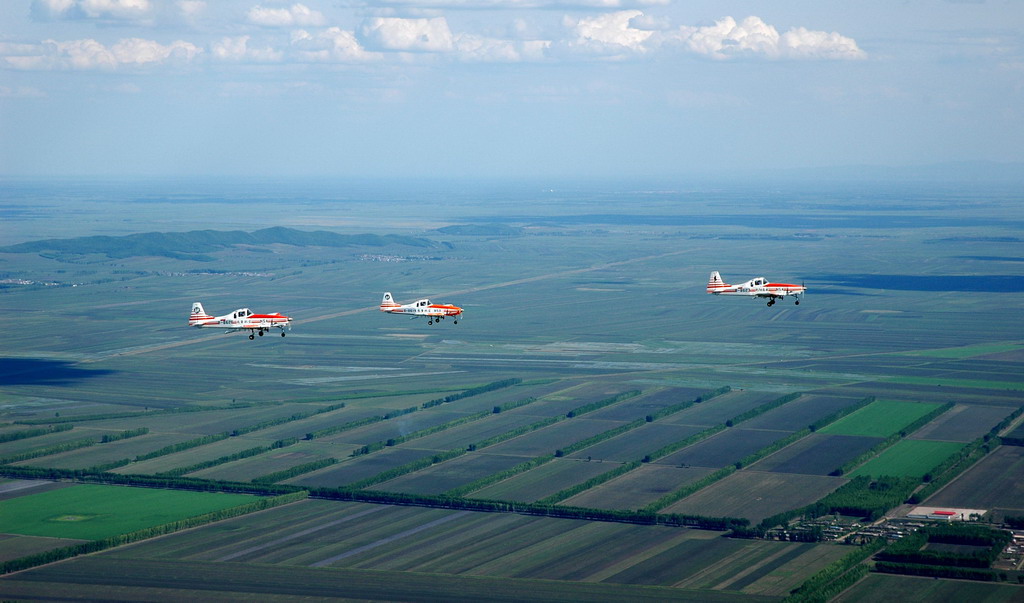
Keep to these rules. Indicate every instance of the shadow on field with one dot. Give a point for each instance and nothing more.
(39, 371)
(979, 283)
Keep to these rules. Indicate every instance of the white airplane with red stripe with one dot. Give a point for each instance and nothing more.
(755, 287)
(239, 320)
(420, 307)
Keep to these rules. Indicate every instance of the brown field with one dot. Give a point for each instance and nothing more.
(913, 589)
(995, 482)
(647, 404)
(269, 462)
(962, 423)
(756, 495)
(635, 443)
(723, 448)
(15, 546)
(450, 474)
(397, 427)
(817, 454)
(99, 454)
(51, 439)
(637, 488)
(475, 431)
(96, 577)
(337, 536)
(721, 408)
(800, 413)
(191, 456)
(551, 438)
(544, 480)
(360, 468)
(209, 422)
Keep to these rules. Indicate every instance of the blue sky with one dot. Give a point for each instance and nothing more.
(505, 88)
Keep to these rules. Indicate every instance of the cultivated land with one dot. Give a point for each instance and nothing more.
(592, 303)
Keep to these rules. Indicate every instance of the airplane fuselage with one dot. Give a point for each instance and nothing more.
(240, 320)
(421, 307)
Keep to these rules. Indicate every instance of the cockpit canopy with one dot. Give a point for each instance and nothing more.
(757, 282)
(423, 303)
(241, 313)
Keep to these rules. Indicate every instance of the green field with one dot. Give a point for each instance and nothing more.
(909, 458)
(880, 419)
(91, 512)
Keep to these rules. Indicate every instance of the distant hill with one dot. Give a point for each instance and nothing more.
(482, 230)
(195, 244)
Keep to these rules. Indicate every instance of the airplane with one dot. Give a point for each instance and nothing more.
(422, 307)
(755, 287)
(240, 319)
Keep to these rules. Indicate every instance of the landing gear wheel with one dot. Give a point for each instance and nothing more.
(430, 322)
(282, 334)
(456, 321)
(798, 302)
(251, 336)
(261, 333)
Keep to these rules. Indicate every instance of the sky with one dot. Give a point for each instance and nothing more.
(504, 88)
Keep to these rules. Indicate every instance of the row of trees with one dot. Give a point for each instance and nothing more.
(989, 544)
(939, 571)
(32, 433)
(474, 391)
(835, 577)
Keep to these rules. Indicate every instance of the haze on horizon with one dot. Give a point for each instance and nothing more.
(504, 88)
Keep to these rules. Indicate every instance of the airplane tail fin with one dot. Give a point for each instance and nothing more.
(715, 282)
(198, 315)
(388, 302)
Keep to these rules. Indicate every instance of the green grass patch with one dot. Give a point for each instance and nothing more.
(908, 458)
(968, 351)
(975, 383)
(880, 419)
(91, 512)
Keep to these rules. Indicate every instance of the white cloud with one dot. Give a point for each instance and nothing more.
(21, 92)
(332, 45)
(753, 37)
(609, 33)
(409, 35)
(297, 15)
(106, 10)
(470, 47)
(237, 49)
(191, 8)
(89, 54)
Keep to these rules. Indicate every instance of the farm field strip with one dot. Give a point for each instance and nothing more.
(962, 423)
(880, 419)
(994, 482)
(85, 512)
(907, 458)
(756, 494)
(816, 454)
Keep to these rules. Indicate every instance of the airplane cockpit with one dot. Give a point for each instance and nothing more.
(757, 282)
(241, 313)
(422, 303)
